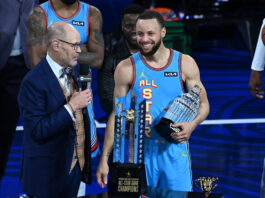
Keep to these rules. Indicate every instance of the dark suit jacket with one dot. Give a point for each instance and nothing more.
(49, 135)
(13, 13)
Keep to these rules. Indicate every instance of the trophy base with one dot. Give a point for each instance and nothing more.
(127, 179)
(164, 129)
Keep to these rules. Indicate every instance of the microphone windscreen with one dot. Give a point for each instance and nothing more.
(84, 69)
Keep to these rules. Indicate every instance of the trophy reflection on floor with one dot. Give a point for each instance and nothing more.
(127, 175)
(182, 109)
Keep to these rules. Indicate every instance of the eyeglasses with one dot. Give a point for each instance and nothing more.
(74, 45)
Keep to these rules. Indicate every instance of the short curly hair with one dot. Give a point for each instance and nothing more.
(152, 15)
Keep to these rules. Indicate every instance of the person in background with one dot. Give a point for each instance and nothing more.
(126, 46)
(14, 64)
(257, 66)
(255, 81)
(54, 156)
(87, 20)
(167, 164)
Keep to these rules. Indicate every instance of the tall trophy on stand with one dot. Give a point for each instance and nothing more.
(127, 175)
(182, 109)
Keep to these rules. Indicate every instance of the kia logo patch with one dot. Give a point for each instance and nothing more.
(79, 23)
(170, 74)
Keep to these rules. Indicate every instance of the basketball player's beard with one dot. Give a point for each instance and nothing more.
(153, 50)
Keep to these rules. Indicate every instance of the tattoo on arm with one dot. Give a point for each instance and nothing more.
(36, 28)
(98, 33)
(98, 38)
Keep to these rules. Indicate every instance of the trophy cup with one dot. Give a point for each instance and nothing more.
(207, 184)
(182, 109)
(127, 175)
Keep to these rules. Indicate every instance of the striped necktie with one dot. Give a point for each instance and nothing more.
(80, 134)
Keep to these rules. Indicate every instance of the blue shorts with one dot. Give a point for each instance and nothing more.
(168, 165)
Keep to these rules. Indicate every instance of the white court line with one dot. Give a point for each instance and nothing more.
(100, 125)
(205, 122)
(19, 128)
(234, 121)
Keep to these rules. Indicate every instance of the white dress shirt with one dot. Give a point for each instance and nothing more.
(17, 48)
(258, 61)
(57, 70)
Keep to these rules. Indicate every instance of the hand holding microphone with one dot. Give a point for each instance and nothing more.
(80, 100)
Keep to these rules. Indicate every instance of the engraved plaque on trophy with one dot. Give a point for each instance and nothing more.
(182, 109)
(127, 176)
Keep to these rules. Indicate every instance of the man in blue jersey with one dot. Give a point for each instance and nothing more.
(87, 20)
(167, 164)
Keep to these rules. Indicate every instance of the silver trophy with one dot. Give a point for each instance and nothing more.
(127, 175)
(129, 129)
(182, 109)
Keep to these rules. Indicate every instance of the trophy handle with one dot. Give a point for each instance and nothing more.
(198, 185)
(216, 180)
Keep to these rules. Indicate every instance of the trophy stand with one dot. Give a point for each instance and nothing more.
(127, 174)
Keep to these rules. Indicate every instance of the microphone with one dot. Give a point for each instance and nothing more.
(84, 76)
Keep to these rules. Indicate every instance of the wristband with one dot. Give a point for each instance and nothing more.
(72, 109)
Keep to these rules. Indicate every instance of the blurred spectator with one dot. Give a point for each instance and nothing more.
(255, 82)
(258, 63)
(124, 47)
(14, 65)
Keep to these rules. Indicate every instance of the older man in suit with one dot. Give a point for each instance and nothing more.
(13, 67)
(50, 103)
